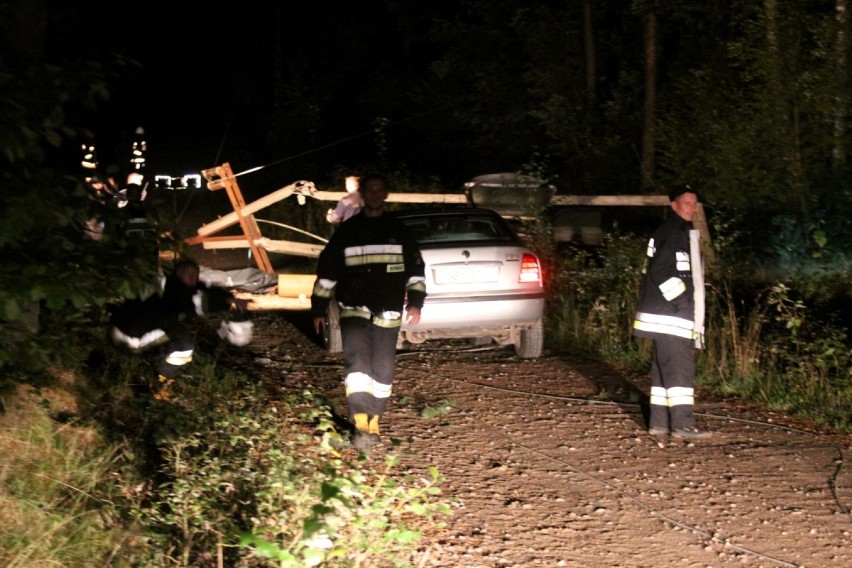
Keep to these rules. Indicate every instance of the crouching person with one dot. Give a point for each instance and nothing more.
(160, 322)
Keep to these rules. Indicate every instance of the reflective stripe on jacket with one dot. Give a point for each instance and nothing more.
(666, 296)
(371, 266)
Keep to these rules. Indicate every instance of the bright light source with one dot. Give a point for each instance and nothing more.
(188, 181)
(90, 162)
(351, 183)
(530, 269)
(191, 181)
(163, 182)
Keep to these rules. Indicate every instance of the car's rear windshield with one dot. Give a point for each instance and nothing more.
(433, 229)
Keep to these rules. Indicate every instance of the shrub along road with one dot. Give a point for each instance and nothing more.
(547, 462)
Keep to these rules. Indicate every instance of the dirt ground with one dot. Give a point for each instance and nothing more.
(547, 462)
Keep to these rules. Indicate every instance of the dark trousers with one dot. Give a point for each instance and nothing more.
(172, 349)
(176, 353)
(369, 356)
(672, 375)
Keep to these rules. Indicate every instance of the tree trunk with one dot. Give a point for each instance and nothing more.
(778, 94)
(591, 62)
(770, 12)
(838, 157)
(648, 137)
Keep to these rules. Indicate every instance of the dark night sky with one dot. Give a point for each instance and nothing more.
(206, 90)
(197, 89)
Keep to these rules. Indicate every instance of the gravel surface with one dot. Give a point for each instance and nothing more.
(547, 462)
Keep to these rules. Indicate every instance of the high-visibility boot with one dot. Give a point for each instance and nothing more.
(361, 437)
(374, 430)
(361, 421)
(164, 388)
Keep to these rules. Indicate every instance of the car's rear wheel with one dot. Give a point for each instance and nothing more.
(331, 330)
(530, 341)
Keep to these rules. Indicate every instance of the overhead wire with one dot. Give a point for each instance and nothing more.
(339, 141)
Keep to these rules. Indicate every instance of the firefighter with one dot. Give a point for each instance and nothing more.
(160, 321)
(103, 192)
(130, 197)
(370, 266)
(671, 314)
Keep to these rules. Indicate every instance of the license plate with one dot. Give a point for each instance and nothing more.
(466, 274)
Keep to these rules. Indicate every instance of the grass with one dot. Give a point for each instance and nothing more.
(96, 473)
(771, 347)
(58, 489)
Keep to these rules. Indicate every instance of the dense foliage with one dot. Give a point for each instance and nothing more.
(50, 269)
(233, 472)
(752, 108)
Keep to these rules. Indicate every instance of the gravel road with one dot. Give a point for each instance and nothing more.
(547, 462)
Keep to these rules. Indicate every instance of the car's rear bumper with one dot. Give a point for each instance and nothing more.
(496, 310)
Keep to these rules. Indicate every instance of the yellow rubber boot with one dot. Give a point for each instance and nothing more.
(361, 422)
(374, 431)
(164, 391)
(361, 438)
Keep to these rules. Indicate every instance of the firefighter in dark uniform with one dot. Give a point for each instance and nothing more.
(671, 313)
(137, 219)
(160, 321)
(371, 266)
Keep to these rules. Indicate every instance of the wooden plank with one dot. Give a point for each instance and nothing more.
(261, 302)
(270, 245)
(427, 198)
(214, 178)
(610, 200)
(398, 197)
(291, 247)
(247, 221)
(600, 200)
(217, 243)
(220, 242)
(222, 176)
(296, 285)
(255, 206)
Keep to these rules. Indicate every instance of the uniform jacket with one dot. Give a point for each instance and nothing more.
(666, 296)
(166, 311)
(370, 266)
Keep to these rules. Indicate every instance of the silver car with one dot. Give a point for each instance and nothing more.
(483, 283)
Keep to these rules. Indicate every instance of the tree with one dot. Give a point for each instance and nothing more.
(591, 60)
(841, 48)
(650, 114)
(50, 272)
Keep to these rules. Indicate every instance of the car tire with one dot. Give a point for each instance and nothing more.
(331, 330)
(531, 341)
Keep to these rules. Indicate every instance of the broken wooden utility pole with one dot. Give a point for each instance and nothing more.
(223, 177)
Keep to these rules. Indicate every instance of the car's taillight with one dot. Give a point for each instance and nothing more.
(530, 269)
